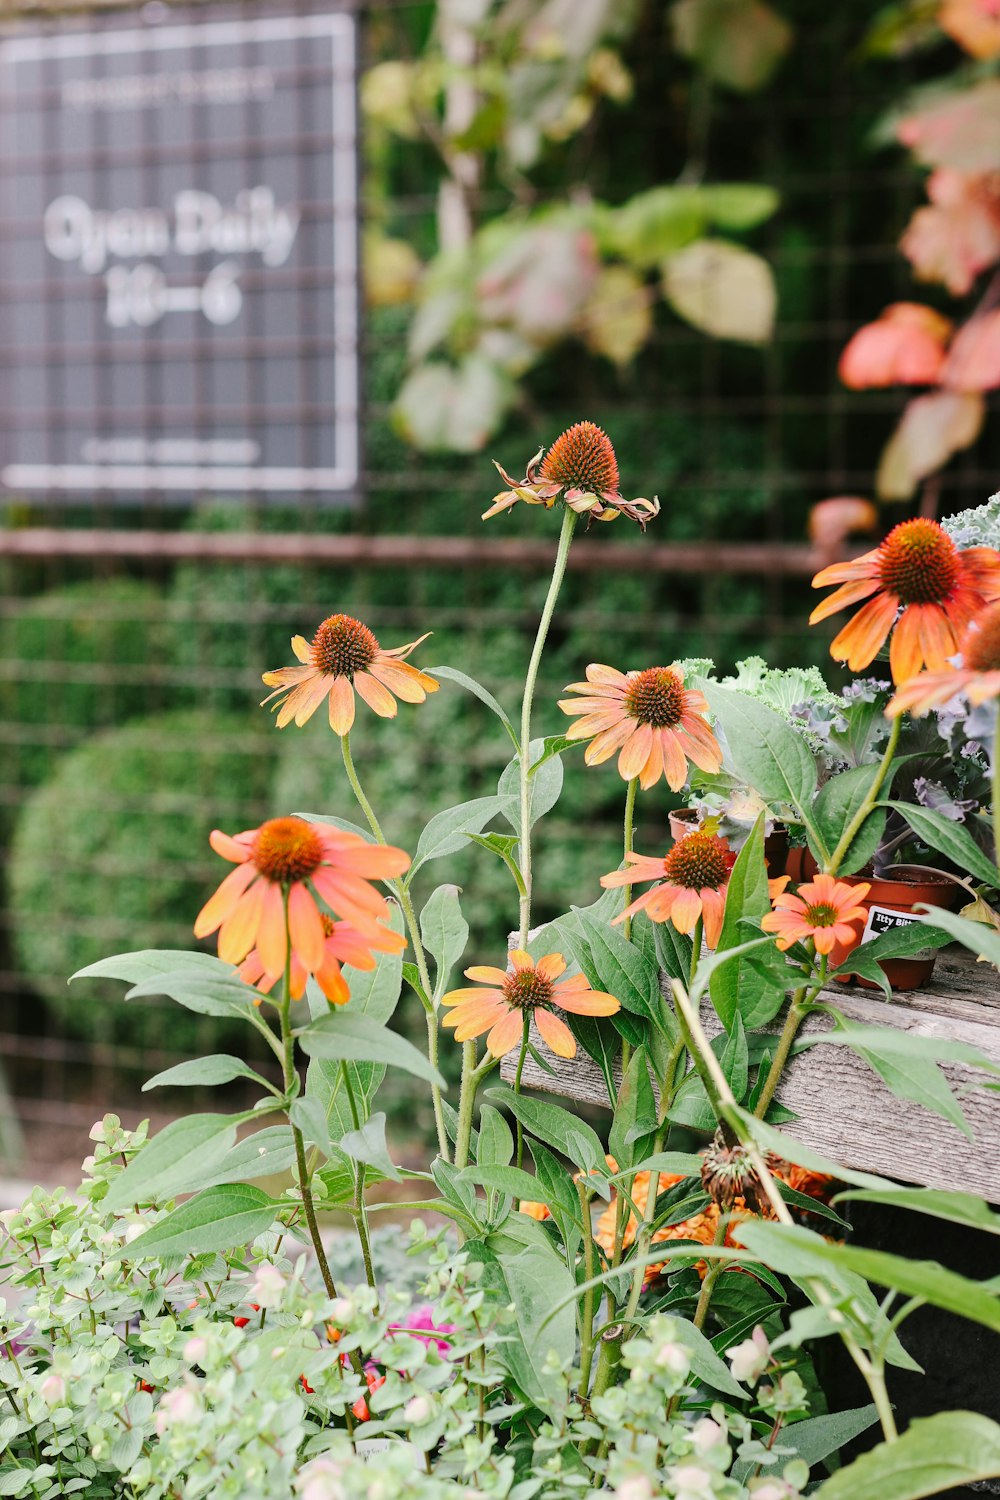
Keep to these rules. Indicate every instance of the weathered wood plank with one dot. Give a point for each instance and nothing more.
(845, 1110)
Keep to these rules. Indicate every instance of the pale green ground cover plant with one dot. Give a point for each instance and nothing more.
(174, 1330)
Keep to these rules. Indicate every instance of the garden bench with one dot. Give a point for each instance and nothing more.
(844, 1109)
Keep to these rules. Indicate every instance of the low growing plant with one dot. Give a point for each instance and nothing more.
(633, 1312)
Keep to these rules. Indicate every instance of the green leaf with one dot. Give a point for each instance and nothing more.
(446, 831)
(976, 936)
(898, 942)
(449, 674)
(212, 995)
(148, 963)
(343, 824)
(217, 1219)
(534, 1278)
(553, 744)
(445, 933)
(351, 1036)
(621, 967)
(672, 1163)
(165, 1164)
(942, 1452)
(544, 786)
(308, 1116)
(818, 1438)
(634, 1123)
(504, 846)
(555, 1126)
(496, 1144)
(601, 1042)
(798, 1252)
(673, 949)
(764, 750)
(220, 1067)
(950, 839)
(655, 224)
(705, 1363)
(459, 1192)
(557, 1190)
(505, 1179)
(937, 1203)
(709, 965)
(739, 205)
(838, 802)
(265, 1153)
(368, 1145)
(690, 1104)
(741, 988)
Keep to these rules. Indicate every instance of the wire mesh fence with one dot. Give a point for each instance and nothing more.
(132, 637)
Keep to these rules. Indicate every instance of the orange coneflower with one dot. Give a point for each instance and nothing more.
(526, 987)
(653, 721)
(343, 944)
(920, 575)
(978, 677)
(345, 656)
(694, 878)
(581, 469)
(290, 860)
(823, 909)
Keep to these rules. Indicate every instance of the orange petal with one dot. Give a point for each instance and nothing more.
(506, 1034)
(905, 655)
(653, 769)
(302, 649)
(850, 593)
(860, 639)
(713, 904)
(463, 996)
(520, 959)
(604, 745)
(551, 966)
(341, 705)
(312, 697)
(376, 695)
(239, 931)
(218, 907)
(305, 927)
(588, 1003)
(685, 909)
(400, 651)
(405, 681)
(674, 760)
(606, 676)
(272, 940)
(555, 1033)
(635, 752)
(332, 982)
(236, 850)
(486, 974)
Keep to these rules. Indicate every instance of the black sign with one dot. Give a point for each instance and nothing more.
(178, 258)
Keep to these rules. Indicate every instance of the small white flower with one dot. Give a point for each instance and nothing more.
(706, 1435)
(342, 1310)
(53, 1390)
(195, 1350)
(268, 1287)
(636, 1487)
(672, 1357)
(691, 1481)
(320, 1480)
(750, 1359)
(176, 1407)
(417, 1410)
(772, 1489)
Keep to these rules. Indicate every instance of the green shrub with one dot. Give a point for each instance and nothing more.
(112, 854)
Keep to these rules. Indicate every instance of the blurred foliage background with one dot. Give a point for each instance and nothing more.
(667, 219)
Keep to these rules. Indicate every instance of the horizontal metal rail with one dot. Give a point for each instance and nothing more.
(588, 556)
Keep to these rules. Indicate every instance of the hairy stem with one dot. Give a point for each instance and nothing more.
(590, 1295)
(797, 1012)
(360, 1212)
(850, 833)
(712, 1274)
(402, 895)
(524, 754)
(633, 787)
(525, 1029)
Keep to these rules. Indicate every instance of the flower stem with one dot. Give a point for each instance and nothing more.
(850, 833)
(288, 1078)
(633, 787)
(471, 1073)
(996, 790)
(797, 1012)
(402, 895)
(525, 1029)
(360, 1212)
(524, 755)
(712, 1274)
(589, 1298)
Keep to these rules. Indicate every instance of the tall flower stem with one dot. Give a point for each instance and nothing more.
(525, 1030)
(589, 1296)
(472, 1075)
(996, 790)
(289, 1081)
(524, 754)
(633, 787)
(360, 1212)
(853, 828)
(402, 895)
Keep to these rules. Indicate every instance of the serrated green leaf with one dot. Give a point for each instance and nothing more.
(976, 936)
(621, 967)
(504, 1179)
(634, 1122)
(898, 942)
(214, 1220)
(938, 1203)
(838, 802)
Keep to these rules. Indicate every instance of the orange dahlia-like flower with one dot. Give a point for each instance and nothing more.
(693, 878)
(581, 469)
(978, 678)
(290, 859)
(655, 723)
(919, 575)
(823, 909)
(343, 944)
(525, 988)
(345, 656)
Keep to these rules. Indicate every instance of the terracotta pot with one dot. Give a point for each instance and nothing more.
(800, 865)
(687, 819)
(912, 886)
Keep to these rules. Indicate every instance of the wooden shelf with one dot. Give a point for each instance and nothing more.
(844, 1109)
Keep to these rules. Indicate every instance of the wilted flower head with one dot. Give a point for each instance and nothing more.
(580, 469)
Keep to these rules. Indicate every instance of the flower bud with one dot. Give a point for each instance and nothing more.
(53, 1390)
(269, 1285)
(750, 1359)
(417, 1410)
(195, 1350)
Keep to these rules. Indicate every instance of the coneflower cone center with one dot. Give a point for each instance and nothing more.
(656, 697)
(582, 458)
(821, 915)
(526, 989)
(699, 861)
(919, 563)
(286, 850)
(981, 646)
(343, 646)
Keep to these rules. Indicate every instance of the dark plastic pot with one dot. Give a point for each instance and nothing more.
(911, 886)
(687, 819)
